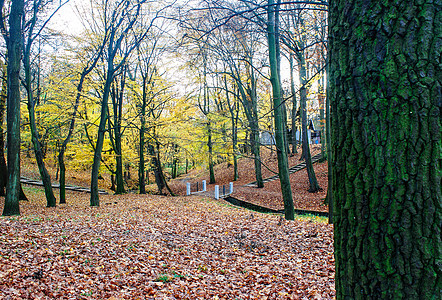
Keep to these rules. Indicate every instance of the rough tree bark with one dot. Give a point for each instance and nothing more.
(386, 100)
(329, 197)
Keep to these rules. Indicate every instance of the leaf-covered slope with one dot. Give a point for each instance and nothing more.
(152, 247)
(270, 196)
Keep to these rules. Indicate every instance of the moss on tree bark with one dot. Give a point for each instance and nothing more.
(385, 80)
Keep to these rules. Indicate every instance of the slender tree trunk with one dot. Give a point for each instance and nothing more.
(119, 163)
(141, 167)
(294, 106)
(39, 156)
(286, 127)
(210, 145)
(154, 151)
(117, 103)
(113, 188)
(45, 177)
(385, 83)
(62, 180)
(235, 145)
(314, 186)
(255, 145)
(95, 201)
(234, 128)
(273, 37)
(63, 146)
(175, 161)
(249, 101)
(254, 135)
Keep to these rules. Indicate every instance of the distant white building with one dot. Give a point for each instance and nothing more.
(266, 138)
(314, 136)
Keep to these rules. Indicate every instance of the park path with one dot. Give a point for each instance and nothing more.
(57, 186)
(224, 190)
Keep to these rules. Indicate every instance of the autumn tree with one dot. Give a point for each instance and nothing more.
(234, 49)
(148, 54)
(118, 19)
(91, 60)
(385, 90)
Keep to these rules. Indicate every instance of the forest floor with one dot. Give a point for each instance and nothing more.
(156, 247)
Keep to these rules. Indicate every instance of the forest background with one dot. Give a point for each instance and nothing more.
(157, 88)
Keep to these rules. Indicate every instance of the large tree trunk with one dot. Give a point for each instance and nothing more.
(13, 114)
(283, 168)
(385, 81)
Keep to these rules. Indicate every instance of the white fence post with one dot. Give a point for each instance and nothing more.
(217, 192)
(230, 187)
(187, 188)
(204, 186)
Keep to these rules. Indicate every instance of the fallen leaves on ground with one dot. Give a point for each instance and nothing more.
(152, 247)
